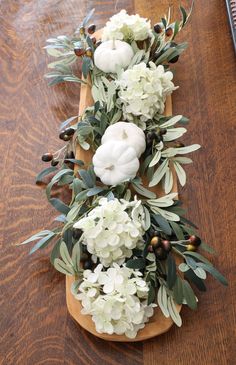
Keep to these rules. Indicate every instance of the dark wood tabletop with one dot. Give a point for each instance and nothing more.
(34, 323)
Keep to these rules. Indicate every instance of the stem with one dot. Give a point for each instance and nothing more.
(58, 153)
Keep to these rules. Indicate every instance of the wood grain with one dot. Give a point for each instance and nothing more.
(34, 323)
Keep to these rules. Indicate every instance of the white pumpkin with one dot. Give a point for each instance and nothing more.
(115, 162)
(111, 54)
(127, 132)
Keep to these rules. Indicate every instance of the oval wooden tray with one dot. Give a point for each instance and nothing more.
(158, 324)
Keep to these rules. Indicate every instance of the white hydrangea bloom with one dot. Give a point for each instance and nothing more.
(116, 299)
(127, 27)
(143, 90)
(112, 229)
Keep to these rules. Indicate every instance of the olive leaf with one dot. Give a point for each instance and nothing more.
(213, 271)
(43, 237)
(174, 314)
(162, 301)
(171, 271)
(189, 295)
(160, 172)
(45, 172)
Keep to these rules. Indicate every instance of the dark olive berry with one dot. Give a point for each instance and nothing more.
(89, 52)
(163, 131)
(160, 253)
(91, 28)
(169, 32)
(61, 135)
(158, 138)
(64, 136)
(88, 265)
(69, 131)
(54, 162)
(195, 240)
(76, 233)
(174, 59)
(79, 51)
(150, 136)
(166, 245)
(47, 157)
(157, 28)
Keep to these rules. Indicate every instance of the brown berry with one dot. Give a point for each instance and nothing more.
(91, 28)
(89, 52)
(157, 28)
(163, 131)
(76, 233)
(191, 248)
(54, 162)
(47, 157)
(155, 241)
(150, 137)
(169, 32)
(94, 40)
(195, 240)
(160, 253)
(166, 245)
(150, 248)
(79, 51)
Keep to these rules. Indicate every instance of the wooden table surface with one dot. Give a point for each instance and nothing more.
(34, 323)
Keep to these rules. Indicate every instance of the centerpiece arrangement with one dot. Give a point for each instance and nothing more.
(123, 242)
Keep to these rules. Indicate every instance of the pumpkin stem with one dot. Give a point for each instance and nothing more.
(113, 43)
(110, 168)
(124, 135)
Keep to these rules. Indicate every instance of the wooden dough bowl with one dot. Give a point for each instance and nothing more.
(157, 324)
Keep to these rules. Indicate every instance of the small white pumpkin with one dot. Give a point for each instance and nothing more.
(115, 162)
(127, 132)
(111, 54)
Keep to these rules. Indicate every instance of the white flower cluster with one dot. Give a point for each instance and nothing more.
(112, 229)
(127, 27)
(116, 299)
(143, 90)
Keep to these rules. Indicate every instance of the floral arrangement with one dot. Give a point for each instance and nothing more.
(129, 247)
